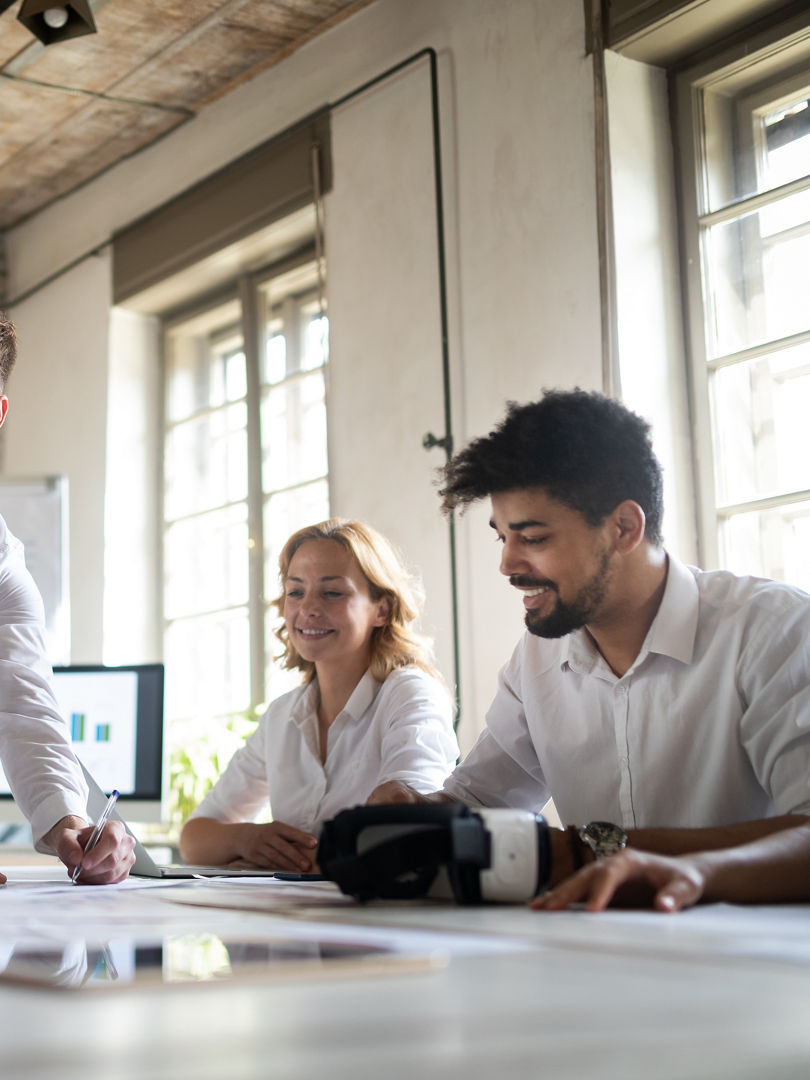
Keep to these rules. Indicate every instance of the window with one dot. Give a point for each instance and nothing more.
(245, 464)
(748, 256)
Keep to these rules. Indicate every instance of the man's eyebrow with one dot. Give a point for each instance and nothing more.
(516, 526)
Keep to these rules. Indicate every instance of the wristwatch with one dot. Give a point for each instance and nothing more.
(603, 838)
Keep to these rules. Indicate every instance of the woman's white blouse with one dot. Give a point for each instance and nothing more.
(400, 729)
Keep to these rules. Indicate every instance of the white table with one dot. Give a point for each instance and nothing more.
(715, 992)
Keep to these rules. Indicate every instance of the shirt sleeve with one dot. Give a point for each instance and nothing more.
(774, 679)
(42, 771)
(242, 790)
(418, 745)
(502, 768)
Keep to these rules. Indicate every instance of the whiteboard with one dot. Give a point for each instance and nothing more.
(36, 511)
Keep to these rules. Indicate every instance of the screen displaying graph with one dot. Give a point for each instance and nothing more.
(101, 709)
(114, 721)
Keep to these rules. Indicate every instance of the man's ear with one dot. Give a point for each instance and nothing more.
(3, 408)
(629, 523)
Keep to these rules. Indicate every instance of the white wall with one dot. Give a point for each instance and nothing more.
(650, 326)
(57, 424)
(517, 126)
(134, 428)
(385, 380)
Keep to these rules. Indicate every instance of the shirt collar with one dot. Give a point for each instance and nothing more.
(306, 706)
(362, 696)
(360, 701)
(672, 632)
(674, 627)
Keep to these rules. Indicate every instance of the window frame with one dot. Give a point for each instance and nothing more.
(244, 289)
(686, 85)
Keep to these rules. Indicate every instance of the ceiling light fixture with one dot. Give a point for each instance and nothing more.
(53, 22)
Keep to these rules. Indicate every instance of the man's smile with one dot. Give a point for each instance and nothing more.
(531, 586)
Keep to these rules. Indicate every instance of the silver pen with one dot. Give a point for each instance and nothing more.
(96, 833)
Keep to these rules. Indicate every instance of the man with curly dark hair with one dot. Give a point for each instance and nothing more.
(658, 705)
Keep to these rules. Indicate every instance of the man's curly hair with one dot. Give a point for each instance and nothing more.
(584, 449)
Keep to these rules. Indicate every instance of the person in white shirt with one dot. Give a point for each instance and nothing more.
(371, 708)
(772, 870)
(657, 704)
(44, 776)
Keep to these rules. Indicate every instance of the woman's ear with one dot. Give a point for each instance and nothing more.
(3, 408)
(383, 611)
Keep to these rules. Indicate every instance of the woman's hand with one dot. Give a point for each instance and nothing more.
(394, 791)
(277, 846)
(670, 884)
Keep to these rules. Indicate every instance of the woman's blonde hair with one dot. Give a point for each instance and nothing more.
(393, 645)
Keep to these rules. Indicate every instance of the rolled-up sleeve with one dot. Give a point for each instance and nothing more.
(419, 745)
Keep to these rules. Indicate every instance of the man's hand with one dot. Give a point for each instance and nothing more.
(669, 884)
(277, 846)
(395, 791)
(109, 861)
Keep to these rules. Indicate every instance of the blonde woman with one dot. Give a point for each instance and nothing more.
(371, 707)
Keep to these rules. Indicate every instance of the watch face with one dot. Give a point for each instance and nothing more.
(605, 832)
(603, 837)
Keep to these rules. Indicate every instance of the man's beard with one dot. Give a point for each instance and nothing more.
(567, 617)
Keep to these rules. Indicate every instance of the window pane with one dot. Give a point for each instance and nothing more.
(283, 514)
(770, 543)
(293, 418)
(206, 462)
(208, 665)
(770, 147)
(206, 562)
(784, 137)
(275, 358)
(760, 410)
(756, 276)
(205, 362)
(316, 341)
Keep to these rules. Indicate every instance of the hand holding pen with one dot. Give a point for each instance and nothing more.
(96, 833)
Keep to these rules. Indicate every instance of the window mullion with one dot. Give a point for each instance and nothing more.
(252, 330)
(743, 207)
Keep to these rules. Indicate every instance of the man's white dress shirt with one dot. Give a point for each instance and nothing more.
(42, 771)
(400, 729)
(711, 724)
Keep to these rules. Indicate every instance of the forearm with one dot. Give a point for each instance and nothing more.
(569, 854)
(204, 840)
(773, 869)
(688, 841)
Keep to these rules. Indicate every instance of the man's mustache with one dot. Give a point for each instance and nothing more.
(520, 581)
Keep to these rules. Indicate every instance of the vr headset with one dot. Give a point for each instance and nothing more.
(442, 851)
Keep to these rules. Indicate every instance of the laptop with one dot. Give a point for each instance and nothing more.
(145, 865)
